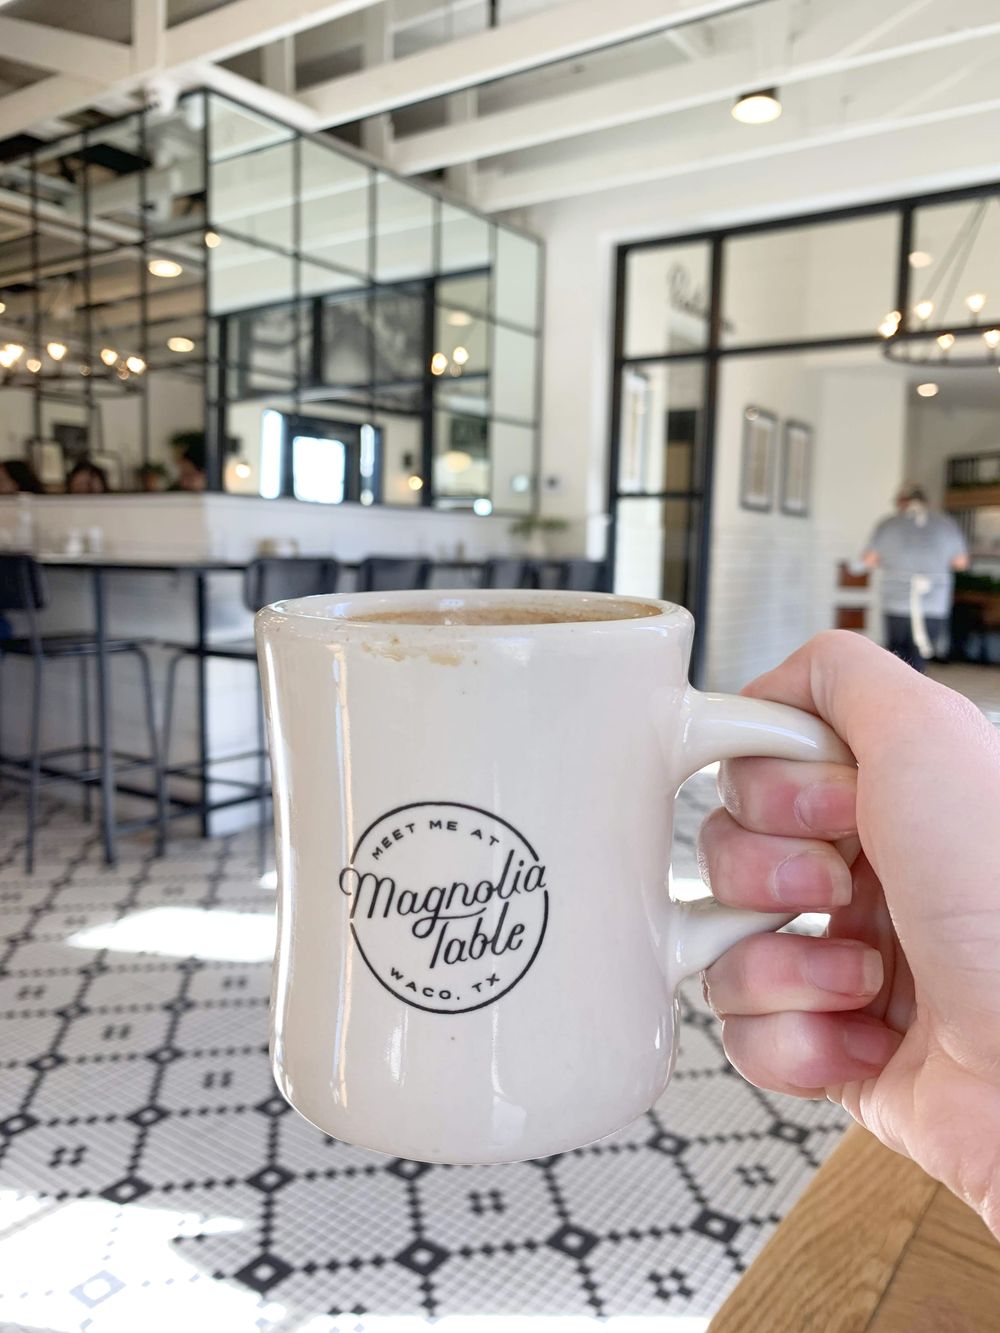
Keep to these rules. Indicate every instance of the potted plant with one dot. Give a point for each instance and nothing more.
(532, 531)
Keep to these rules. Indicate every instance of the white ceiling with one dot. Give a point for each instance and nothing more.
(556, 101)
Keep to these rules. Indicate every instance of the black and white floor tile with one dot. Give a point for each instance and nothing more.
(152, 1178)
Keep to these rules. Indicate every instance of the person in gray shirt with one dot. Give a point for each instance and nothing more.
(918, 552)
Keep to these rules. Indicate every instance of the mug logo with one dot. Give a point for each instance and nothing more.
(448, 904)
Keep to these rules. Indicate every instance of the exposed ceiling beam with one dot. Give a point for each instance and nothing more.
(59, 95)
(179, 55)
(149, 33)
(64, 52)
(625, 101)
(499, 191)
(559, 33)
(243, 25)
(267, 100)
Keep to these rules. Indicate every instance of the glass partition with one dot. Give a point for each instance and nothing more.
(825, 280)
(301, 322)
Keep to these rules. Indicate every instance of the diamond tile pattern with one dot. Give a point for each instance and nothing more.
(152, 1177)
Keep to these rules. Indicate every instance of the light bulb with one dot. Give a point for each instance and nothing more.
(33, 364)
(992, 339)
(482, 506)
(946, 341)
(165, 268)
(757, 108)
(415, 483)
(975, 302)
(212, 239)
(3, 306)
(179, 344)
(109, 356)
(242, 469)
(920, 259)
(135, 364)
(439, 363)
(890, 324)
(460, 356)
(56, 350)
(924, 309)
(15, 351)
(928, 390)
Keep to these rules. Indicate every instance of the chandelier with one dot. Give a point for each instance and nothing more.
(33, 357)
(918, 336)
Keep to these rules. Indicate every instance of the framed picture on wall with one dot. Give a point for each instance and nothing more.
(760, 431)
(796, 468)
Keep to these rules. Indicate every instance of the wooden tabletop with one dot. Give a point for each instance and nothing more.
(873, 1246)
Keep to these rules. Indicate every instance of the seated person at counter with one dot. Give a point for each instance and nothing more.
(18, 477)
(86, 478)
(191, 463)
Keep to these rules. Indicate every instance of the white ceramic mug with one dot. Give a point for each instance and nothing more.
(477, 951)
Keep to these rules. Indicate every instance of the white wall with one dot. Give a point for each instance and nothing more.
(16, 422)
(773, 576)
(939, 429)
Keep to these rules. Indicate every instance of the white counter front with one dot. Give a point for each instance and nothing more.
(231, 527)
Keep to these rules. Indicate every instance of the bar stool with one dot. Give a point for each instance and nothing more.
(22, 589)
(392, 573)
(267, 580)
(509, 572)
(580, 575)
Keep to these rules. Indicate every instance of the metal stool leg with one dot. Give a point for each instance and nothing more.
(88, 796)
(154, 752)
(166, 734)
(36, 762)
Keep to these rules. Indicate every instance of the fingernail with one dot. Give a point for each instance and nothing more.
(828, 808)
(846, 968)
(867, 1043)
(812, 881)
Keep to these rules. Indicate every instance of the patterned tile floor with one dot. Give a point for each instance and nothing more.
(152, 1178)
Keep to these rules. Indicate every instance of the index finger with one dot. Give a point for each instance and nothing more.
(866, 695)
(791, 798)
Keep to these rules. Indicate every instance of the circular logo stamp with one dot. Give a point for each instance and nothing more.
(448, 904)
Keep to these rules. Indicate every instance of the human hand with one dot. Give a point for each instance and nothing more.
(896, 1013)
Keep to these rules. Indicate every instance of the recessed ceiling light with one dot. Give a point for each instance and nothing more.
(165, 268)
(920, 259)
(482, 506)
(757, 108)
(975, 302)
(212, 239)
(460, 356)
(928, 390)
(180, 344)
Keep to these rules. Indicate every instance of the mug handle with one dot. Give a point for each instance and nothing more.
(727, 726)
